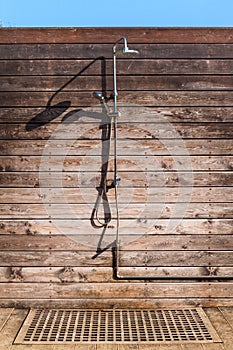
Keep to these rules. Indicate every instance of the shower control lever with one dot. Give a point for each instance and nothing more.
(113, 183)
(117, 180)
(114, 114)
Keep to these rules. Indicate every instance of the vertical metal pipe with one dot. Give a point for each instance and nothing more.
(116, 180)
(115, 94)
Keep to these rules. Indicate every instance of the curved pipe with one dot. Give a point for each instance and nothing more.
(115, 249)
(117, 276)
(117, 42)
(124, 51)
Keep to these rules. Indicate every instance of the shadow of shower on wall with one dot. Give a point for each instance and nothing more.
(50, 113)
(53, 111)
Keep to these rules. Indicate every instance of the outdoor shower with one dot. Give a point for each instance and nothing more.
(113, 116)
(117, 50)
(120, 49)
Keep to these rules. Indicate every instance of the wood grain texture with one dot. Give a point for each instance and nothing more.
(222, 327)
(91, 83)
(140, 164)
(11, 328)
(213, 346)
(128, 258)
(87, 131)
(4, 317)
(152, 98)
(228, 315)
(126, 303)
(110, 35)
(186, 226)
(200, 147)
(109, 290)
(182, 85)
(71, 215)
(127, 194)
(57, 114)
(72, 274)
(70, 179)
(84, 50)
(165, 242)
(125, 147)
(126, 67)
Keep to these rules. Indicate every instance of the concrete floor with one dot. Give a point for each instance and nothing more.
(221, 318)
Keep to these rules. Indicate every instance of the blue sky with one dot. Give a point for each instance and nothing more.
(90, 13)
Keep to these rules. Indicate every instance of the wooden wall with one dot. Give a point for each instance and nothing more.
(183, 76)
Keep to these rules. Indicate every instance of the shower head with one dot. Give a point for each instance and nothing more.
(102, 99)
(99, 96)
(124, 50)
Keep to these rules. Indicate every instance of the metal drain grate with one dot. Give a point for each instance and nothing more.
(113, 326)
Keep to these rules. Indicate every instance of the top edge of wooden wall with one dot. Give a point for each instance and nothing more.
(112, 34)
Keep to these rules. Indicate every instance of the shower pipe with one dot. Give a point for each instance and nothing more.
(124, 50)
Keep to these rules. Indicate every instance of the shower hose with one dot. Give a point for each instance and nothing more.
(103, 189)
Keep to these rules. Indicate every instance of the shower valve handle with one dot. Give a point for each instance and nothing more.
(113, 184)
(117, 180)
(114, 114)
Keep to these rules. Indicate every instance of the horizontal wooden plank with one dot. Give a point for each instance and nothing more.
(57, 113)
(85, 50)
(103, 290)
(125, 303)
(185, 226)
(126, 194)
(151, 242)
(127, 163)
(124, 83)
(101, 274)
(60, 274)
(131, 66)
(127, 258)
(43, 258)
(110, 35)
(176, 258)
(109, 291)
(124, 147)
(130, 131)
(153, 98)
(71, 179)
(138, 215)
